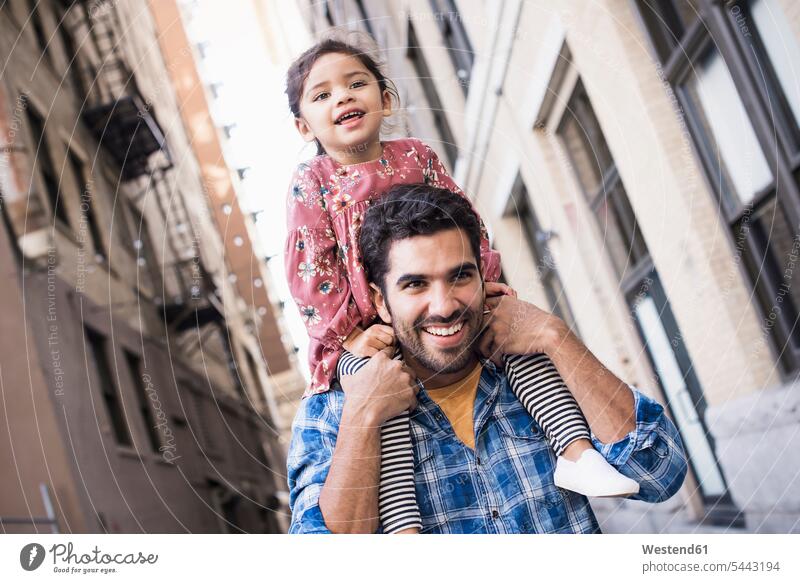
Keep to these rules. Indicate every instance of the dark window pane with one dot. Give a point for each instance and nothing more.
(88, 215)
(583, 138)
(35, 7)
(456, 40)
(545, 264)
(613, 242)
(432, 96)
(629, 228)
(667, 21)
(143, 398)
(99, 362)
(44, 162)
(594, 168)
(774, 269)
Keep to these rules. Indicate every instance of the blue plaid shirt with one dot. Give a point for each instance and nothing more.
(504, 485)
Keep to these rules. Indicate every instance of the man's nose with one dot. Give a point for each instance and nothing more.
(443, 303)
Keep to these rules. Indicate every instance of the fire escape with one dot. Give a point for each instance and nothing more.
(126, 127)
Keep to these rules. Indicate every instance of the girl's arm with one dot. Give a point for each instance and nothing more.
(317, 279)
(436, 175)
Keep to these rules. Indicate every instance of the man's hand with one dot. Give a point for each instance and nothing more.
(382, 389)
(513, 326)
(370, 341)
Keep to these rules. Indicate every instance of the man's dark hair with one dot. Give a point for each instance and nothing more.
(408, 210)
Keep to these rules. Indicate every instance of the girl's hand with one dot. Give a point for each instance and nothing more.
(494, 289)
(370, 341)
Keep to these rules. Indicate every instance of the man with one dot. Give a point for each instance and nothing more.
(481, 462)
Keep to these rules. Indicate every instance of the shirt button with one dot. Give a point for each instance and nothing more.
(495, 514)
(478, 460)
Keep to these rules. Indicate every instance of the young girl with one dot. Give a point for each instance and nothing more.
(339, 97)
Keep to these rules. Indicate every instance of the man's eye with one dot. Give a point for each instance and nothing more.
(414, 284)
(319, 96)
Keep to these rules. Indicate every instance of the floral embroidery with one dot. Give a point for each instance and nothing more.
(310, 315)
(306, 270)
(300, 245)
(325, 287)
(341, 202)
(298, 193)
(323, 266)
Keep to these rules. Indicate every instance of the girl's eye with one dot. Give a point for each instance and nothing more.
(321, 95)
(463, 276)
(358, 84)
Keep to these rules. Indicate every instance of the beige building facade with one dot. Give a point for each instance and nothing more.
(637, 164)
(136, 368)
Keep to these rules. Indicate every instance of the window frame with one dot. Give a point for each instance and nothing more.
(110, 391)
(416, 56)
(455, 39)
(44, 166)
(717, 29)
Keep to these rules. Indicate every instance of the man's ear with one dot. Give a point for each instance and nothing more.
(304, 129)
(380, 303)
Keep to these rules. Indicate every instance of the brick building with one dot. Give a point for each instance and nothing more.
(136, 368)
(638, 164)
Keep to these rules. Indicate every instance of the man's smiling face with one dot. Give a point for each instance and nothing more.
(434, 301)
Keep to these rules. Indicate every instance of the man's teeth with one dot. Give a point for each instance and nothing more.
(445, 331)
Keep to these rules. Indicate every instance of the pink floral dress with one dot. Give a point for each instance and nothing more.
(325, 207)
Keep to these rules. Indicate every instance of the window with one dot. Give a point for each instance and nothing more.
(72, 58)
(365, 20)
(87, 206)
(455, 40)
(423, 73)
(735, 76)
(144, 249)
(143, 399)
(520, 208)
(98, 359)
(37, 24)
(251, 365)
(672, 19)
(44, 162)
(329, 13)
(596, 172)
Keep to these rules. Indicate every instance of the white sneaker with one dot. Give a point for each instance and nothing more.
(592, 475)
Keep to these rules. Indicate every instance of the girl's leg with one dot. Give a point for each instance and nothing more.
(397, 501)
(541, 390)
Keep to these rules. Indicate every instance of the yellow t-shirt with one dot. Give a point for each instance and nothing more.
(458, 403)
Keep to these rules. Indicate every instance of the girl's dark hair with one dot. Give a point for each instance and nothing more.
(408, 210)
(357, 44)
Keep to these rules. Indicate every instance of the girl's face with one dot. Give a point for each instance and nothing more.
(342, 106)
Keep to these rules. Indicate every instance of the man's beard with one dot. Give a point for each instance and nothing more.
(440, 361)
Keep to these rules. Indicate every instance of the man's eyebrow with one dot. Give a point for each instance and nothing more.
(467, 266)
(406, 277)
(347, 76)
